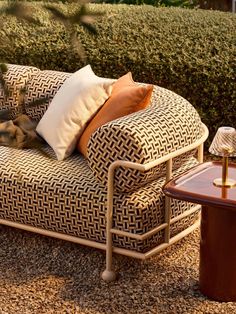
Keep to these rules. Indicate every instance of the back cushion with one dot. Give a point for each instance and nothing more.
(127, 97)
(40, 90)
(16, 79)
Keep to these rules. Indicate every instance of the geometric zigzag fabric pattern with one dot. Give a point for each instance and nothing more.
(169, 124)
(64, 196)
(44, 86)
(16, 78)
(70, 196)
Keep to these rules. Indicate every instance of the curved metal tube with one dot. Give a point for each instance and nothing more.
(109, 274)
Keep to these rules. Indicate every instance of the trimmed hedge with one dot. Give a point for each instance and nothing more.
(157, 3)
(191, 52)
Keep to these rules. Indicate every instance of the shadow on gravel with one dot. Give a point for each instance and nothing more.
(70, 273)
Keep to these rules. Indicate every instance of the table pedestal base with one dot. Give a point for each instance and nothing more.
(218, 254)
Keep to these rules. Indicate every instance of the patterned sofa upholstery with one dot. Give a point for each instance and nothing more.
(68, 199)
(16, 79)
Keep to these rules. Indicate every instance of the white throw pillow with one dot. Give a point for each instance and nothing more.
(75, 103)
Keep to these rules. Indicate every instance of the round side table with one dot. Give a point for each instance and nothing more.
(217, 270)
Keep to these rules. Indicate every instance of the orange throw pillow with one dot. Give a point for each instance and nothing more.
(126, 97)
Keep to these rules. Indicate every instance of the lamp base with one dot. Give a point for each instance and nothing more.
(229, 182)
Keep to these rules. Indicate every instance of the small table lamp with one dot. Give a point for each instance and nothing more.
(224, 144)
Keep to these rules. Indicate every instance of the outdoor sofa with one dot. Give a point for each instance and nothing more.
(113, 199)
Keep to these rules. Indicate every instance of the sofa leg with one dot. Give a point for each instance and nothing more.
(108, 275)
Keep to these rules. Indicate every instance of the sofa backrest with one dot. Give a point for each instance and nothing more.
(170, 123)
(16, 79)
(41, 89)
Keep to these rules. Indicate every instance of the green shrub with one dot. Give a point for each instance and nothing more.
(191, 52)
(165, 3)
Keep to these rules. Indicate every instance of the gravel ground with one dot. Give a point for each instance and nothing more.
(43, 275)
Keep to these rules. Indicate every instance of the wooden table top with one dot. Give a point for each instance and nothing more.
(196, 186)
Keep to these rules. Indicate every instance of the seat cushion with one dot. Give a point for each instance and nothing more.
(64, 196)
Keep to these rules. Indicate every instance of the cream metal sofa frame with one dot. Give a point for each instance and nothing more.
(109, 274)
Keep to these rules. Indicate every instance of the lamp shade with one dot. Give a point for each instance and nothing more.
(224, 142)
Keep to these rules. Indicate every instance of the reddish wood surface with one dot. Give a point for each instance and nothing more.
(223, 5)
(217, 276)
(197, 186)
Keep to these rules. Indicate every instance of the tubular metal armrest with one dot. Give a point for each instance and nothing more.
(109, 274)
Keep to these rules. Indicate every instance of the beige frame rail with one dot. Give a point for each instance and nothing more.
(109, 274)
